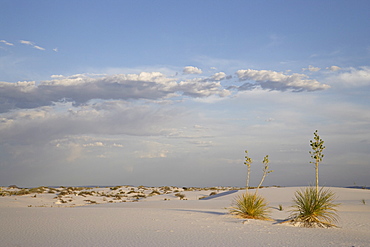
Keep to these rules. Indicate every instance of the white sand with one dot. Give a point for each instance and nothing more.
(153, 221)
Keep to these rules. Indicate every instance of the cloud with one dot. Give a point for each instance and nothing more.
(57, 76)
(333, 68)
(191, 70)
(272, 80)
(219, 76)
(39, 48)
(352, 77)
(198, 88)
(311, 68)
(41, 125)
(6, 43)
(25, 42)
(82, 88)
(94, 144)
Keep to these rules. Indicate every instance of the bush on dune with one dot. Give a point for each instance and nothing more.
(250, 206)
(314, 209)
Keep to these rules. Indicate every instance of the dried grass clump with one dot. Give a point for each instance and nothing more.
(180, 196)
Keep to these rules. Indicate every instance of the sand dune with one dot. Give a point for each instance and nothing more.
(165, 220)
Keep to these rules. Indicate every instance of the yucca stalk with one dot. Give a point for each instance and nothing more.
(248, 162)
(314, 208)
(250, 206)
(316, 154)
(265, 171)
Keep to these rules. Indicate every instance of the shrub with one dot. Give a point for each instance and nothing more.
(250, 206)
(314, 209)
(39, 190)
(154, 192)
(180, 195)
(22, 192)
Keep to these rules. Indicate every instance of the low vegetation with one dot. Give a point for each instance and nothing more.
(314, 209)
(180, 196)
(252, 206)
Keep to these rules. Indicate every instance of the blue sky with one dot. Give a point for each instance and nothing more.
(173, 92)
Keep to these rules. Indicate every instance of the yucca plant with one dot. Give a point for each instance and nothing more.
(316, 154)
(250, 206)
(314, 208)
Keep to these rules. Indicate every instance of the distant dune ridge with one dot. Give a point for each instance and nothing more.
(167, 216)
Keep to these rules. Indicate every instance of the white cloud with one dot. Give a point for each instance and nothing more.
(219, 76)
(6, 43)
(56, 76)
(352, 78)
(118, 145)
(39, 48)
(272, 80)
(333, 68)
(25, 42)
(191, 70)
(311, 68)
(199, 88)
(94, 144)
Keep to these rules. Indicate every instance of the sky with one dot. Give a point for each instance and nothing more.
(173, 92)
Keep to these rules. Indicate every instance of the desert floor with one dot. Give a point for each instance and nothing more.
(135, 216)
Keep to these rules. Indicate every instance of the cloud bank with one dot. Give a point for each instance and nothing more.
(272, 80)
(130, 126)
(352, 77)
(82, 88)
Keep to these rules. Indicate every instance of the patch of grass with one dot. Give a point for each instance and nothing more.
(154, 192)
(280, 207)
(314, 208)
(38, 190)
(22, 192)
(363, 201)
(250, 206)
(180, 196)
